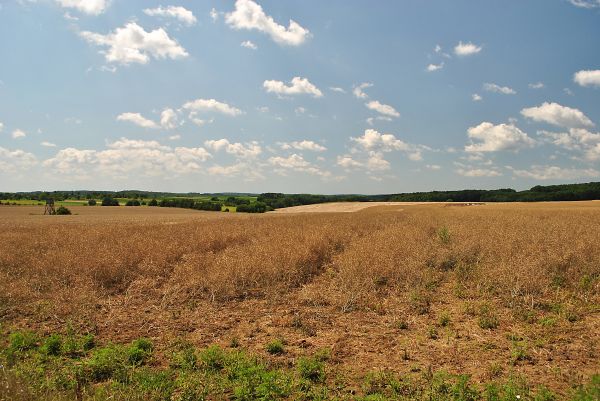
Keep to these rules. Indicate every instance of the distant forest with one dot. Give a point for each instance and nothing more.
(270, 201)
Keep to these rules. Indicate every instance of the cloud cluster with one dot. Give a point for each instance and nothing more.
(578, 140)
(212, 105)
(248, 45)
(132, 44)
(12, 161)
(180, 13)
(488, 137)
(373, 145)
(435, 67)
(126, 157)
(18, 133)
(556, 114)
(304, 145)
(249, 15)
(91, 7)
(585, 3)
(137, 119)
(358, 90)
(466, 49)
(384, 109)
(587, 77)
(505, 90)
(555, 173)
(298, 86)
(244, 151)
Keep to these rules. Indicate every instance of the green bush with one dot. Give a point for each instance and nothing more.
(139, 351)
(591, 392)
(185, 358)
(53, 345)
(62, 211)
(132, 202)
(106, 363)
(213, 357)
(153, 202)
(22, 341)
(92, 202)
(108, 201)
(311, 369)
(275, 347)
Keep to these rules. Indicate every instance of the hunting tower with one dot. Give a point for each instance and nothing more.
(49, 209)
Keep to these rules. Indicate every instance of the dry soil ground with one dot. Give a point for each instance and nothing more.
(405, 288)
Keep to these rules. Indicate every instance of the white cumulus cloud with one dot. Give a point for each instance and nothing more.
(168, 119)
(248, 45)
(212, 105)
(556, 114)
(348, 162)
(466, 49)
(127, 158)
(375, 142)
(244, 151)
(505, 90)
(585, 3)
(250, 15)
(180, 13)
(12, 161)
(493, 138)
(132, 44)
(358, 90)
(555, 173)
(91, 7)
(587, 77)
(478, 172)
(384, 109)
(297, 86)
(304, 145)
(579, 140)
(435, 67)
(137, 119)
(18, 133)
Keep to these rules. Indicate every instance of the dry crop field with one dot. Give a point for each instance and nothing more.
(388, 302)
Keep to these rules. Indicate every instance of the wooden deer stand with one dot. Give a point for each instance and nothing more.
(49, 209)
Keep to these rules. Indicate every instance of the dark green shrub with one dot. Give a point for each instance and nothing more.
(311, 369)
(590, 392)
(213, 357)
(53, 345)
(185, 359)
(153, 202)
(108, 201)
(92, 202)
(107, 363)
(63, 211)
(132, 202)
(22, 341)
(275, 347)
(139, 351)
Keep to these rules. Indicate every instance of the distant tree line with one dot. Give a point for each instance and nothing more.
(187, 203)
(566, 192)
(270, 201)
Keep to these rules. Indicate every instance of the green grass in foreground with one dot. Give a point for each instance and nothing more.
(65, 367)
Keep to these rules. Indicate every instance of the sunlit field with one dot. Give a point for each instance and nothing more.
(442, 301)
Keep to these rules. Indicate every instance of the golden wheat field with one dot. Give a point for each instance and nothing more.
(491, 290)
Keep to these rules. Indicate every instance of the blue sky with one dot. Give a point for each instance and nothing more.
(298, 96)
